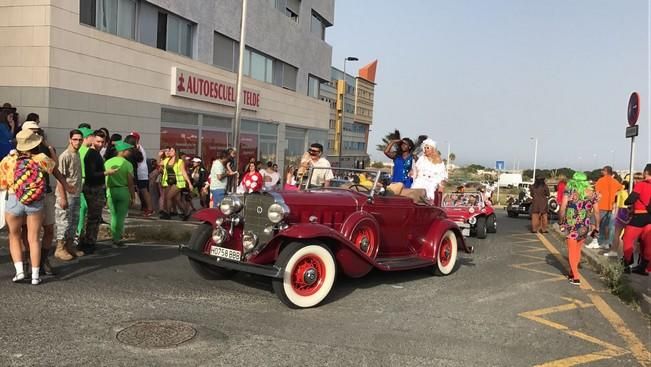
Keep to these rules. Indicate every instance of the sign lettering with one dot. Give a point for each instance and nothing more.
(190, 85)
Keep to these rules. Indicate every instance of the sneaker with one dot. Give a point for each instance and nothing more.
(611, 254)
(36, 281)
(18, 277)
(594, 244)
(575, 281)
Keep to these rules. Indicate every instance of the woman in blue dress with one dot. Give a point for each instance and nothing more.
(403, 160)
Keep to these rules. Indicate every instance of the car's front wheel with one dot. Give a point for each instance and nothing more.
(446, 254)
(480, 228)
(309, 272)
(199, 239)
(491, 226)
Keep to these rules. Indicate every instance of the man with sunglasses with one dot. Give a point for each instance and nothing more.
(320, 177)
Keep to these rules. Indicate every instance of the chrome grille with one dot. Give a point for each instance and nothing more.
(255, 215)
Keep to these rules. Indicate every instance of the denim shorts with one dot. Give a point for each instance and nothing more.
(14, 207)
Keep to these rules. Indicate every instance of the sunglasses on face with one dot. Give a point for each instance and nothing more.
(312, 151)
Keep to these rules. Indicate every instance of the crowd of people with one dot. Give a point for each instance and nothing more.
(97, 169)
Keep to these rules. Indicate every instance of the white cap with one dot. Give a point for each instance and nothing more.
(30, 125)
(429, 142)
(195, 159)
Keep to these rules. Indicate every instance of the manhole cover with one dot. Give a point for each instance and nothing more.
(157, 334)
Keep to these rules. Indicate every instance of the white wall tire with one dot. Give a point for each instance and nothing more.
(446, 254)
(309, 273)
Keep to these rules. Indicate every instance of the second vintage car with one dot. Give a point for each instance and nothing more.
(304, 239)
(470, 212)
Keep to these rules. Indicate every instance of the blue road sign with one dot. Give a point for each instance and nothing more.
(499, 165)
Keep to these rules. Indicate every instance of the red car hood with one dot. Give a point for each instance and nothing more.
(330, 207)
(461, 212)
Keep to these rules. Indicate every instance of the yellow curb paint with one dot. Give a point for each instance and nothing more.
(586, 358)
(634, 344)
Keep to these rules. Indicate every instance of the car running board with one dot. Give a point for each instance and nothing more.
(402, 263)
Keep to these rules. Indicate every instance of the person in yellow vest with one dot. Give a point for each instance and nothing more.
(174, 178)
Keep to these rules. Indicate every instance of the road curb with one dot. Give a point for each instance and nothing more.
(600, 263)
(170, 232)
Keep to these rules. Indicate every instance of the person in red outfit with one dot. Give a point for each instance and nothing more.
(252, 180)
(639, 228)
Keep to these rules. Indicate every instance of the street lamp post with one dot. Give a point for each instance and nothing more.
(535, 158)
(343, 109)
(238, 98)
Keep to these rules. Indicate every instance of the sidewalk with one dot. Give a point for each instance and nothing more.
(641, 285)
(140, 229)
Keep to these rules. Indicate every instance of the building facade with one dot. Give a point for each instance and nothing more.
(167, 69)
(351, 115)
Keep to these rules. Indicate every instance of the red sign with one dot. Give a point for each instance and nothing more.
(633, 111)
(190, 85)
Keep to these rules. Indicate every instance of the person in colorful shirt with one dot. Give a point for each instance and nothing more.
(577, 209)
(120, 190)
(13, 170)
(252, 180)
(403, 160)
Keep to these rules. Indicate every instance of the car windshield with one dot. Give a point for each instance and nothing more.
(343, 178)
(461, 199)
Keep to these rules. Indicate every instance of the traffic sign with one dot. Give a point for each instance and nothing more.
(632, 131)
(499, 165)
(633, 108)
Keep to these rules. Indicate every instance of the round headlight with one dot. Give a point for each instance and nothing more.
(277, 212)
(219, 235)
(472, 220)
(230, 205)
(471, 210)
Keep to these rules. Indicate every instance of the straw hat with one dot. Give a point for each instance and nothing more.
(30, 125)
(27, 140)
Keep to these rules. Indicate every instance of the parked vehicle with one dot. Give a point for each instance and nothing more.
(304, 239)
(521, 205)
(471, 213)
(509, 179)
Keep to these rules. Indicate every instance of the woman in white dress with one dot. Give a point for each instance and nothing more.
(429, 170)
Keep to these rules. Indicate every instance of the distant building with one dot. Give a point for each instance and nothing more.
(167, 69)
(350, 121)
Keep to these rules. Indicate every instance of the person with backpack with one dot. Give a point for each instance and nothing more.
(639, 227)
(22, 175)
(67, 208)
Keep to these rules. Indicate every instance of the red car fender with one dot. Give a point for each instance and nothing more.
(208, 215)
(350, 259)
(434, 237)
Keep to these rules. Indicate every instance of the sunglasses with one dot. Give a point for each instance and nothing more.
(312, 151)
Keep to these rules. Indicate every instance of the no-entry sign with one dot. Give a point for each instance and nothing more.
(633, 108)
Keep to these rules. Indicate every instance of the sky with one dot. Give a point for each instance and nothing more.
(486, 76)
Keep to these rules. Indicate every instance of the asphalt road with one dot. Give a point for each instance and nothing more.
(505, 305)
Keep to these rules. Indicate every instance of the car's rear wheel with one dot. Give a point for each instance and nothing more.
(309, 272)
(198, 241)
(491, 225)
(446, 254)
(480, 227)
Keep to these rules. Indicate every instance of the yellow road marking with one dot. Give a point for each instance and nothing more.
(586, 358)
(635, 346)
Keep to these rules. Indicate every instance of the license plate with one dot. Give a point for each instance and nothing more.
(225, 253)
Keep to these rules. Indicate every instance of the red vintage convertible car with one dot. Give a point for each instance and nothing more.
(471, 213)
(304, 239)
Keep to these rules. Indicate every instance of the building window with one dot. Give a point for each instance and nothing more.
(317, 25)
(156, 27)
(117, 17)
(291, 8)
(225, 52)
(313, 86)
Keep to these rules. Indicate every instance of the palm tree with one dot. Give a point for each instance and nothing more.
(452, 157)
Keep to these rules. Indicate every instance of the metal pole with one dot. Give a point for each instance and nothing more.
(535, 159)
(630, 170)
(238, 98)
(498, 187)
(343, 116)
(447, 167)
